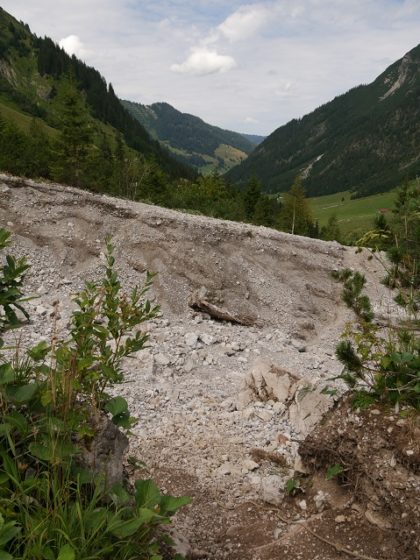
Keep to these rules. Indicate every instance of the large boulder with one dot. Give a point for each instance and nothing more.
(266, 381)
(308, 407)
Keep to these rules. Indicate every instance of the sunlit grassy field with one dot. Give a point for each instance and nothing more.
(354, 216)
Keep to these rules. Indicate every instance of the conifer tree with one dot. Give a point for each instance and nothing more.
(75, 139)
(252, 195)
(331, 232)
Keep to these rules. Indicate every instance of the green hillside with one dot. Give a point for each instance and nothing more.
(32, 71)
(353, 215)
(205, 147)
(254, 138)
(367, 140)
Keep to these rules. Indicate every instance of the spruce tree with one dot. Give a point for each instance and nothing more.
(252, 195)
(74, 143)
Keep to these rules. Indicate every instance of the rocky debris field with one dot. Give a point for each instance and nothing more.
(222, 406)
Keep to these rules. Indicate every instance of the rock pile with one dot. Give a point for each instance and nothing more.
(219, 401)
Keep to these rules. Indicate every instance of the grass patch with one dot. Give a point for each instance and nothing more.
(23, 121)
(354, 216)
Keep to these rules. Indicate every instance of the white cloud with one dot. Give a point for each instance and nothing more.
(203, 61)
(72, 45)
(321, 47)
(250, 120)
(285, 89)
(245, 22)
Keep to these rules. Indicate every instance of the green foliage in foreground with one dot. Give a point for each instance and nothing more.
(51, 507)
(382, 363)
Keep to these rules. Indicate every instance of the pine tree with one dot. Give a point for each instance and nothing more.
(75, 139)
(331, 232)
(252, 195)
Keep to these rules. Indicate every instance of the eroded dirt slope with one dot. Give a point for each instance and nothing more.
(192, 434)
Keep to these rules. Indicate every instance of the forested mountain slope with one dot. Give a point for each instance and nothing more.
(32, 70)
(191, 140)
(367, 140)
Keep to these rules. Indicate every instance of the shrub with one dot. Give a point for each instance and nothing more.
(50, 506)
(382, 362)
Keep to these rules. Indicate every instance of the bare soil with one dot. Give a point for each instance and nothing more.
(191, 434)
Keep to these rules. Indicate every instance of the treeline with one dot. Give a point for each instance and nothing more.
(365, 140)
(104, 104)
(46, 62)
(82, 154)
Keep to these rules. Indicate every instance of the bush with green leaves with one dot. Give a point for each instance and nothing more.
(51, 507)
(382, 361)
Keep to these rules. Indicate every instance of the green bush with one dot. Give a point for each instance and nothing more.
(382, 361)
(50, 507)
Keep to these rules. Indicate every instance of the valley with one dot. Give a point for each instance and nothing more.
(197, 361)
(207, 148)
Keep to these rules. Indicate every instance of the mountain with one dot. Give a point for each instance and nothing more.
(32, 69)
(367, 140)
(254, 138)
(190, 139)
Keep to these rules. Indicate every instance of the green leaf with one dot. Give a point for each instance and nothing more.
(116, 406)
(5, 429)
(3, 478)
(23, 393)
(147, 493)
(122, 529)
(66, 553)
(7, 374)
(8, 532)
(46, 398)
(40, 451)
(328, 391)
(18, 421)
(123, 420)
(5, 555)
(39, 352)
(291, 486)
(48, 554)
(169, 504)
(119, 494)
(96, 520)
(333, 471)
(52, 450)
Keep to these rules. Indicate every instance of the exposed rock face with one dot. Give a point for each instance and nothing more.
(104, 453)
(304, 403)
(308, 407)
(266, 381)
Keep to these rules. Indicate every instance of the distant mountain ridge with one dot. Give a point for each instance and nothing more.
(254, 138)
(206, 147)
(367, 140)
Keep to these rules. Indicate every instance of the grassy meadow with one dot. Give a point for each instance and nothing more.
(354, 216)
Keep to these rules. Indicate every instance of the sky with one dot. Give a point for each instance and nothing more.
(244, 66)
